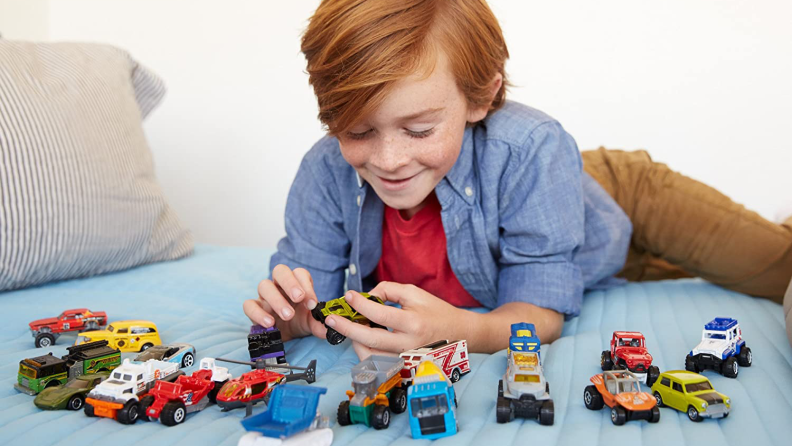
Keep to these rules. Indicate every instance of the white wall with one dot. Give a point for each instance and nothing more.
(703, 85)
(24, 19)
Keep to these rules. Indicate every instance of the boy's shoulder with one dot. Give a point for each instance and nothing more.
(514, 123)
(325, 158)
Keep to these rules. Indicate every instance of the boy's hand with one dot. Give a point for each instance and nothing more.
(286, 301)
(422, 318)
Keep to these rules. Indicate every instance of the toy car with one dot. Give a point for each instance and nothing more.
(70, 396)
(37, 374)
(266, 344)
(47, 331)
(256, 386)
(691, 393)
(628, 351)
(170, 402)
(523, 391)
(377, 391)
(451, 357)
(431, 403)
(721, 348)
(180, 353)
(340, 307)
(127, 336)
(291, 416)
(621, 391)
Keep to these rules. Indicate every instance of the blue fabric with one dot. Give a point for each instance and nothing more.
(198, 300)
(522, 221)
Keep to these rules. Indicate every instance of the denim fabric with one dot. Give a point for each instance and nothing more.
(523, 222)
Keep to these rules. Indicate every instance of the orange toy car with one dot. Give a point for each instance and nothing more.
(621, 391)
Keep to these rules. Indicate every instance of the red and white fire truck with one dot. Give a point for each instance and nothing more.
(450, 356)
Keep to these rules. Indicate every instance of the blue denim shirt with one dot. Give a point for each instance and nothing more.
(523, 222)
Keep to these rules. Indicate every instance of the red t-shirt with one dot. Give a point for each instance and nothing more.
(414, 252)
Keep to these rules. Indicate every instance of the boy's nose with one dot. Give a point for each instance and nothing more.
(390, 156)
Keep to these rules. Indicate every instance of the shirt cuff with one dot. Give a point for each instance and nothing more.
(556, 286)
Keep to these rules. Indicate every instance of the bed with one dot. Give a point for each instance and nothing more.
(198, 300)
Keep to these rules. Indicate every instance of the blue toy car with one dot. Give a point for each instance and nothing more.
(431, 402)
(291, 410)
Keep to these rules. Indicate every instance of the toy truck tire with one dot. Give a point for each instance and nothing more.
(89, 410)
(334, 337)
(213, 393)
(91, 326)
(455, 375)
(129, 413)
(730, 368)
(654, 416)
(76, 402)
(380, 417)
(606, 361)
(745, 358)
(693, 414)
(500, 389)
(592, 398)
(173, 413)
(317, 311)
(44, 340)
(547, 413)
(398, 400)
(145, 403)
(504, 412)
(618, 415)
(690, 364)
(343, 414)
(652, 374)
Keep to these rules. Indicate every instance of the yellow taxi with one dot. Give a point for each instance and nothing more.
(127, 336)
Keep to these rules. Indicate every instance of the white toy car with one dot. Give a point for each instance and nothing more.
(722, 349)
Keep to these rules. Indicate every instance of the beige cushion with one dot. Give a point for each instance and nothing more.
(78, 195)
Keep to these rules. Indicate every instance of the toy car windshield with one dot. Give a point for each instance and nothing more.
(698, 387)
(715, 336)
(628, 386)
(429, 406)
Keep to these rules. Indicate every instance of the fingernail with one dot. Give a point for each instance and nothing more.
(311, 304)
(268, 321)
(287, 313)
(349, 296)
(297, 293)
(330, 322)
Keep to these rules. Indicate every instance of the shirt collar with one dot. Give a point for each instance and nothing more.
(461, 176)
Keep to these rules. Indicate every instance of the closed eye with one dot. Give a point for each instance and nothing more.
(421, 134)
(359, 135)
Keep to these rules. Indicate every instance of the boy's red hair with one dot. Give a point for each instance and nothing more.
(356, 49)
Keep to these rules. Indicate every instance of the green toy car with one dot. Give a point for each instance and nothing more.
(340, 307)
(692, 393)
(70, 396)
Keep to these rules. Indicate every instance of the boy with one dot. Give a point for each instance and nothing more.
(435, 189)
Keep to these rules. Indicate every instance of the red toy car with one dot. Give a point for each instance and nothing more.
(628, 351)
(46, 331)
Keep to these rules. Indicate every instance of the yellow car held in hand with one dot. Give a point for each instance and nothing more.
(691, 393)
(341, 308)
(127, 336)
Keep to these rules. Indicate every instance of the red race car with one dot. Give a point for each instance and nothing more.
(46, 331)
(256, 386)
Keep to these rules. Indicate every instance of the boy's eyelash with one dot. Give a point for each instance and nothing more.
(357, 136)
(422, 134)
(412, 134)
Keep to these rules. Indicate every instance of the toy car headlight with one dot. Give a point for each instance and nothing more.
(704, 405)
(83, 339)
(728, 401)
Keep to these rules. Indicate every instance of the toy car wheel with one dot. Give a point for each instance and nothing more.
(213, 393)
(317, 311)
(503, 410)
(187, 360)
(76, 402)
(146, 347)
(334, 337)
(91, 326)
(592, 398)
(547, 413)
(654, 416)
(659, 399)
(343, 414)
(690, 364)
(89, 410)
(547, 387)
(455, 375)
(730, 368)
(129, 413)
(173, 413)
(693, 414)
(618, 415)
(44, 340)
(145, 403)
(652, 374)
(380, 417)
(500, 388)
(376, 325)
(606, 362)
(745, 358)
(398, 400)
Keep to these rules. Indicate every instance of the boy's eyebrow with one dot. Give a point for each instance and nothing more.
(422, 114)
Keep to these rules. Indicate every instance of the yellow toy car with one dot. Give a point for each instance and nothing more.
(127, 336)
(692, 393)
(340, 307)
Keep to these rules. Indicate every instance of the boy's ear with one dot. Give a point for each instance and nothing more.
(479, 112)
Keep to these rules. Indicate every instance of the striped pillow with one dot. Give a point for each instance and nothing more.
(78, 196)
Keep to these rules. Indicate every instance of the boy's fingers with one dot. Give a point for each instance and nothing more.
(384, 315)
(254, 310)
(394, 292)
(270, 294)
(285, 279)
(374, 338)
(306, 282)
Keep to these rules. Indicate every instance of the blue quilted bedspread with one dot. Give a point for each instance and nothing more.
(199, 300)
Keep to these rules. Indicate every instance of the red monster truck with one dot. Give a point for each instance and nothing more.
(628, 351)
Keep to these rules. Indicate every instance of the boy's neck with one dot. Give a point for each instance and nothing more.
(410, 213)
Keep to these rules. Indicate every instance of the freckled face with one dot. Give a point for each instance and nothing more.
(408, 144)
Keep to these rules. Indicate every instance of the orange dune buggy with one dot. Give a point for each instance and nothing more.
(621, 391)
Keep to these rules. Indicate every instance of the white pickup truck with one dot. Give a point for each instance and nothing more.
(118, 397)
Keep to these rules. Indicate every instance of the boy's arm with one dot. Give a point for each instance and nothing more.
(489, 332)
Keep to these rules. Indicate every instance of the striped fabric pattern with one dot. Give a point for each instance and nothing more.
(78, 196)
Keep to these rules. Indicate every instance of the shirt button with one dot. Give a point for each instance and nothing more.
(469, 191)
(352, 269)
(358, 200)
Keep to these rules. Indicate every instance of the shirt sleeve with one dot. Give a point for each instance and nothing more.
(315, 237)
(542, 222)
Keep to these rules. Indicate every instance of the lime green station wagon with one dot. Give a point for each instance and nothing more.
(691, 393)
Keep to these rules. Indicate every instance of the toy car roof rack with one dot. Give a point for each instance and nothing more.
(721, 323)
(309, 374)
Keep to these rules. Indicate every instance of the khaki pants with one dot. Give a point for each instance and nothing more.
(683, 228)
